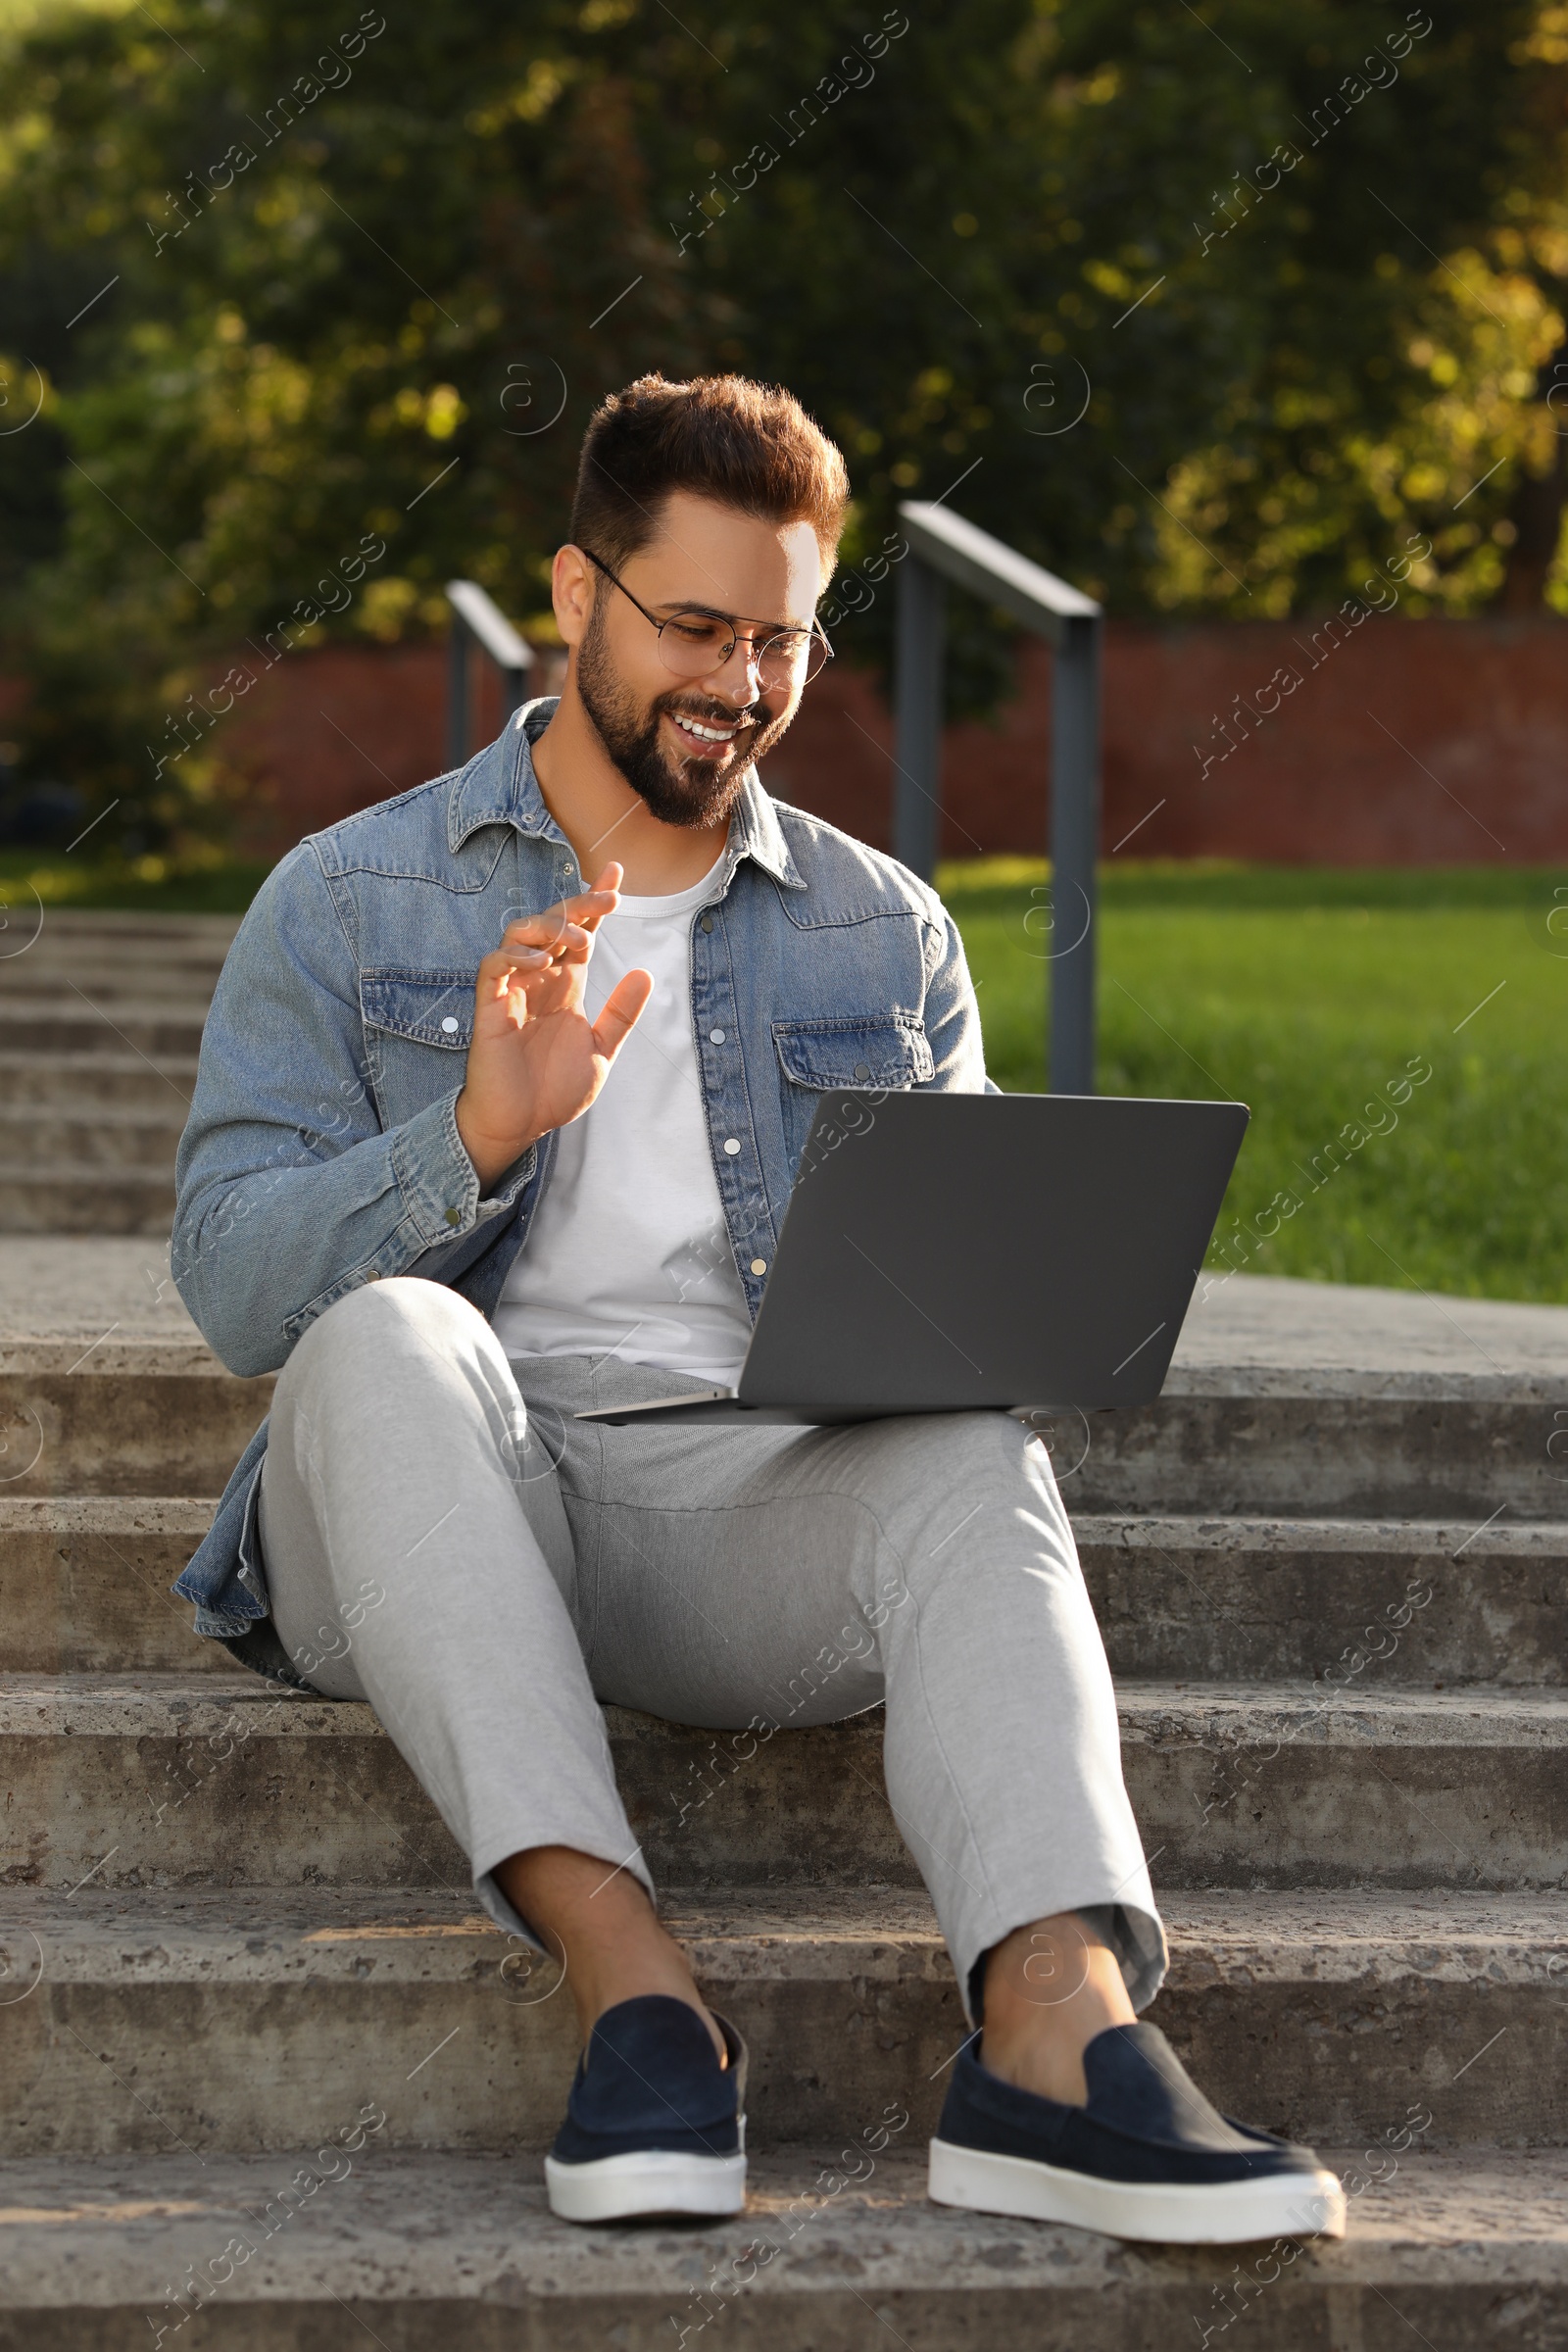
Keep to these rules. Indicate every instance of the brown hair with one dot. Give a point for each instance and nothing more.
(745, 445)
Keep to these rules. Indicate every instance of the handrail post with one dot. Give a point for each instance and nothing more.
(918, 741)
(458, 691)
(1074, 848)
(943, 543)
(477, 620)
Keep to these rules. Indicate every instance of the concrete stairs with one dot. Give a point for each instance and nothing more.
(268, 2076)
(100, 1020)
(234, 1928)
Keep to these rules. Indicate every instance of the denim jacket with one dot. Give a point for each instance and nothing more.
(323, 1149)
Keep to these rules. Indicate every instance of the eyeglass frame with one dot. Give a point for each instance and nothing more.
(708, 612)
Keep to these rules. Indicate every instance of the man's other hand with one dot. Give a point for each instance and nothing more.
(537, 1061)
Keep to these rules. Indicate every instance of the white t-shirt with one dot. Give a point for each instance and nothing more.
(629, 1255)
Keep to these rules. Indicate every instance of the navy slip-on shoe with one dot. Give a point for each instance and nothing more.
(1148, 2157)
(653, 2123)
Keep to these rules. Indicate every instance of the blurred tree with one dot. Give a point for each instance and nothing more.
(1209, 307)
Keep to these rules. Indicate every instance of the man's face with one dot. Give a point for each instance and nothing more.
(684, 743)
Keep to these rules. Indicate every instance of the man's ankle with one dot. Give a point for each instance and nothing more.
(1049, 1988)
(605, 1930)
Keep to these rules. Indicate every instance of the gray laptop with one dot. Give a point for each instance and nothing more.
(941, 1252)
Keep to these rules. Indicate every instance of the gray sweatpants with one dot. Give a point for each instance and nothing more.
(533, 1566)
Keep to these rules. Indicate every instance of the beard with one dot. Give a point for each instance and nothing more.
(678, 792)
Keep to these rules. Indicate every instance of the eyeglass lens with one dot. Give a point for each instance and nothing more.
(695, 644)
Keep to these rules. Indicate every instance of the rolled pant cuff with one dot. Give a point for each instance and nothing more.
(495, 1904)
(1133, 1934)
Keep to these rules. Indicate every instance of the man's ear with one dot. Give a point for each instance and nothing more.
(573, 588)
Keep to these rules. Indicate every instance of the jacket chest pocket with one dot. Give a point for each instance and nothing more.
(886, 1051)
(418, 1030)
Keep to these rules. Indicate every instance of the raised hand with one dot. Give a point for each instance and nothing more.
(536, 1061)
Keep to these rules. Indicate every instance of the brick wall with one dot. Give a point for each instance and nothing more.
(1427, 742)
(325, 733)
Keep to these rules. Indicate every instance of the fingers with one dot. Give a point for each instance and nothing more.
(588, 907)
(564, 931)
(496, 968)
(622, 1005)
(539, 940)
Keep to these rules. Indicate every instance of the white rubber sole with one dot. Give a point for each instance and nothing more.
(1229, 2214)
(653, 2180)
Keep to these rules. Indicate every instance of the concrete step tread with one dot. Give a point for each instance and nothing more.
(126, 1176)
(104, 1514)
(20, 1060)
(388, 2226)
(84, 953)
(1268, 1319)
(23, 1005)
(178, 1354)
(163, 996)
(118, 924)
(884, 1935)
(1453, 1385)
(111, 951)
(1268, 1329)
(170, 1705)
(85, 1112)
(1481, 1380)
(56, 1288)
(1542, 1538)
(32, 973)
(1476, 1714)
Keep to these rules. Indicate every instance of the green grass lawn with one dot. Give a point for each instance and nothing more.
(1304, 993)
(215, 886)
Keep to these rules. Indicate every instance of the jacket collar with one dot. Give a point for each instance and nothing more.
(755, 832)
(498, 787)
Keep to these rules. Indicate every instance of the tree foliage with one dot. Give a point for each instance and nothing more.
(1209, 307)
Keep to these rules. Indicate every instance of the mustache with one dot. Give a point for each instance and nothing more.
(714, 715)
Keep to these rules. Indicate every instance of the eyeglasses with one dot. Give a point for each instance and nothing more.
(693, 644)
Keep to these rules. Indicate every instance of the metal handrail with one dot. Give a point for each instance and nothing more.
(476, 619)
(944, 547)
(995, 570)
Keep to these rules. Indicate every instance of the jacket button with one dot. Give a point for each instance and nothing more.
(450, 1026)
(715, 1037)
(759, 1265)
(453, 1216)
(862, 1069)
(731, 1144)
(707, 924)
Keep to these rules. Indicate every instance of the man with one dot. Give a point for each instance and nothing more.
(458, 1210)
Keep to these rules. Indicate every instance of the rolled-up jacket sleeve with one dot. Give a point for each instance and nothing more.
(952, 1014)
(291, 1191)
